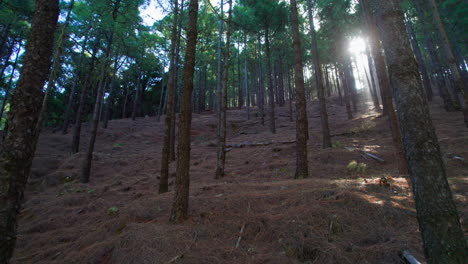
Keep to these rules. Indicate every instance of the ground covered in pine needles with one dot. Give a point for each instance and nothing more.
(256, 214)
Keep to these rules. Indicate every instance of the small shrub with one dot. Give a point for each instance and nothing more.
(356, 167)
(113, 210)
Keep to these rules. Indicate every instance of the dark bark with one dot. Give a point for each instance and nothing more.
(86, 166)
(221, 153)
(385, 87)
(179, 210)
(246, 80)
(110, 99)
(220, 59)
(346, 89)
(261, 88)
(271, 88)
(290, 94)
(136, 98)
(436, 211)
(124, 111)
(71, 97)
(21, 139)
(435, 61)
(165, 154)
(326, 139)
(75, 146)
(337, 81)
(420, 60)
(301, 104)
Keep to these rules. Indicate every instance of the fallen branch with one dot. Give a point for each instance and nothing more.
(374, 156)
(194, 239)
(410, 258)
(240, 235)
(256, 144)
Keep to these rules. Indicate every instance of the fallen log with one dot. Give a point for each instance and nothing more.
(409, 258)
(256, 144)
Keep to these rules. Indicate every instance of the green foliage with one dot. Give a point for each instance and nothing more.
(355, 167)
(113, 210)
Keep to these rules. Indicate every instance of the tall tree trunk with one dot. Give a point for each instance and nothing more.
(337, 80)
(75, 146)
(86, 166)
(436, 64)
(110, 99)
(302, 132)
(261, 88)
(71, 97)
(55, 67)
(438, 218)
(220, 54)
(165, 154)
(385, 87)
(136, 97)
(375, 95)
(240, 96)
(344, 77)
(124, 111)
(271, 97)
(290, 94)
(246, 79)
(420, 60)
(179, 210)
(21, 139)
(460, 85)
(326, 139)
(221, 154)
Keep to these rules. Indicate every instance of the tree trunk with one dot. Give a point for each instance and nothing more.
(386, 89)
(110, 100)
(21, 140)
(337, 80)
(71, 98)
(136, 97)
(220, 59)
(375, 95)
(301, 104)
(271, 97)
(86, 166)
(290, 93)
(344, 77)
(179, 210)
(326, 139)
(460, 85)
(246, 79)
(75, 146)
(436, 65)
(438, 218)
(261, 88)
(221, 154)
(165, 154)
(419, 58)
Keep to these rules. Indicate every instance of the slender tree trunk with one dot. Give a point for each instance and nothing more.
(301, 104)
(437, 214)
(420, 60)
(221, 154)
(124, 111)
(163, 182)
(86, 166)
(326, 139)
(344, 77)
(240, 96)
(136, 97)
(71, 98)
(246, 79)
(271, 97)
(337, 80)
(436, 64)
(261, 88)
(110, 99)
(386, 89)
(460, 85)
(21, 139)
(220, 59)
(290, 93)
(350, 81)
(179, 210)
(75, 146)
(375, 95)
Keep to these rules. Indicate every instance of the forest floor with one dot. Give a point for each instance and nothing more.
(256, 214)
